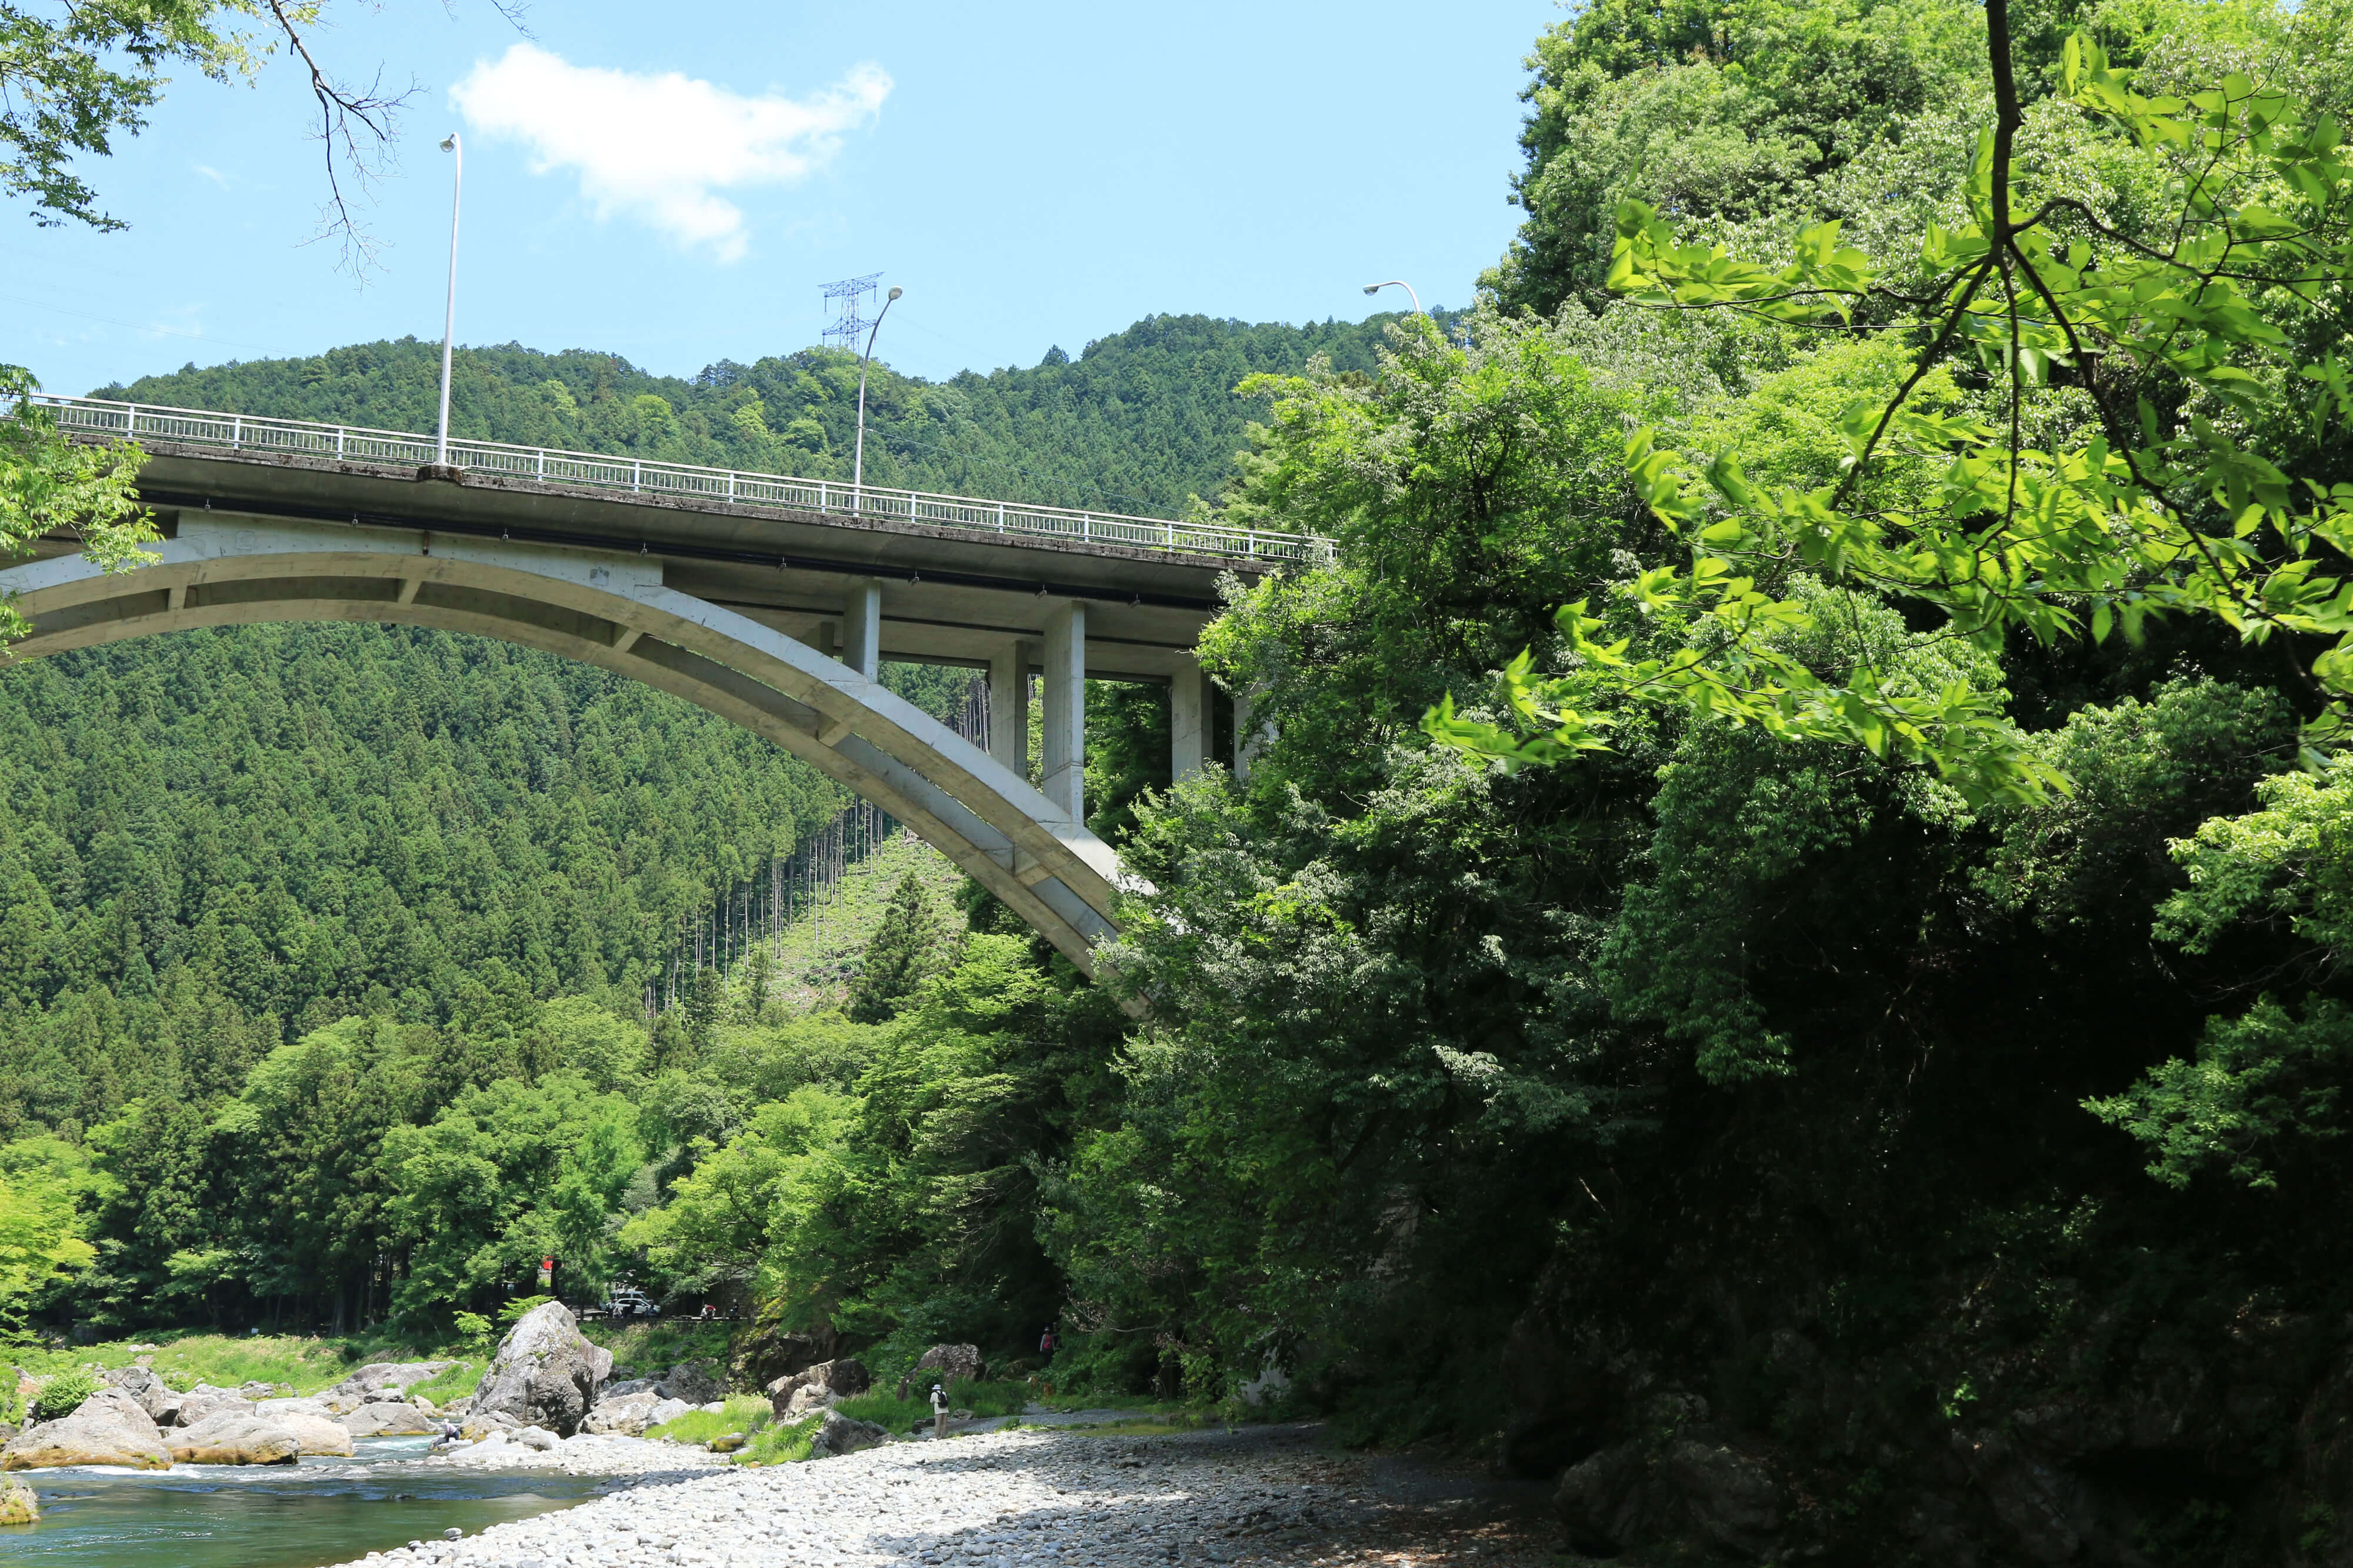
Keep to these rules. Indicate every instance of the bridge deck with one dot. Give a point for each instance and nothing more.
(955, 589)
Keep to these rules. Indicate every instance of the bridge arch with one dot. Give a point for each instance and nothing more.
(612, 610)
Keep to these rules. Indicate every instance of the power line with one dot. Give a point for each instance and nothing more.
(134, 326)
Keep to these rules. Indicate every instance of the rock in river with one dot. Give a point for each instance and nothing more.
(627, 1413)
(17, 1503)
(201, 1403)
(388, 1418)
(396, 1377)
(110, 1428)
(317, 1434)
(545, 1374)
(230, 1437)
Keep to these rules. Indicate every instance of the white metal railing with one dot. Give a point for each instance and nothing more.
(351, 443)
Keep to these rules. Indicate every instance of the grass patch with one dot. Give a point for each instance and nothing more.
(1104, 1402)
(1004, 1397)
(455, 1384)
(887, 1410)
(183, 1361)
(741, 1413)
(785, 1442)
(651, 1349)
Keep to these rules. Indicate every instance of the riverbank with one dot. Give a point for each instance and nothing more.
(1258, 1495)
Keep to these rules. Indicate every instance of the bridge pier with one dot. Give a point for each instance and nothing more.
(1064, 759)
(861, 627)
(1008, 707)
(1192, 720)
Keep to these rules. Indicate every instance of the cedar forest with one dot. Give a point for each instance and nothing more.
(1788, 906)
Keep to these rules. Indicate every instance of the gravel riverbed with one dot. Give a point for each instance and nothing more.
(1031, 1498)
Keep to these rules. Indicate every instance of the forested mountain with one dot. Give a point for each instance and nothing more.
(1861, 1079)
(226, 832)
(1138, 423)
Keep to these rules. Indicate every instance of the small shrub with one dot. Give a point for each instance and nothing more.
(513, 1312)
(781, 1444)
(64, 1392)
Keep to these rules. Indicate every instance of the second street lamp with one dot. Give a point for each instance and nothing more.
(1398, 283)
(858, 466)
(450, 314)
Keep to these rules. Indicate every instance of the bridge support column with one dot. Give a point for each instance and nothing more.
(861, 627)
(1008, 708)
(1249, 734)
(1192, 712)
(1065, 703)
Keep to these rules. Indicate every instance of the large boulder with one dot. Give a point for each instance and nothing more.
(141, 1384)
(316, 1433)
(838, 1434)
(110, 1428)
(1694, 1488)
(231, 1437)
(824, 1384)
(627, 1413)
(946, 1363)
(201, 1403)
(545, 1374)
(399, 1376)
(388, 1418)
(763, 1355)
(696, 1382)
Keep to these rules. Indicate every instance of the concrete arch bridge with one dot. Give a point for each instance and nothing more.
(771, 602)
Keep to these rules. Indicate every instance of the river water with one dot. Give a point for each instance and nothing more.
(271, 1516)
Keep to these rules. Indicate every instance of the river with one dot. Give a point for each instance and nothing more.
(273, 1516)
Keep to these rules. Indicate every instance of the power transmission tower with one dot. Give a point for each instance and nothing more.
(852, 320)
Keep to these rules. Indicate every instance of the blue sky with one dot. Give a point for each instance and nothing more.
(676, 192)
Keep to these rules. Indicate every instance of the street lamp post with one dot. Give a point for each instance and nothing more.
(858, 466)
(1398, 283)
(449, 314)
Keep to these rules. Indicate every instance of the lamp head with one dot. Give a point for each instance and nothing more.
(449, 143)
(1372, 288)
(894, 294)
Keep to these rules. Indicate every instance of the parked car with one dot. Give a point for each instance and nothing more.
(628, 1301)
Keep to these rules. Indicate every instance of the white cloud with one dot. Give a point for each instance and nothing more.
(658, 147)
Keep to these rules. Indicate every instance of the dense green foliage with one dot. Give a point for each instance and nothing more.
(1813, 1158)
(1137, 423)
